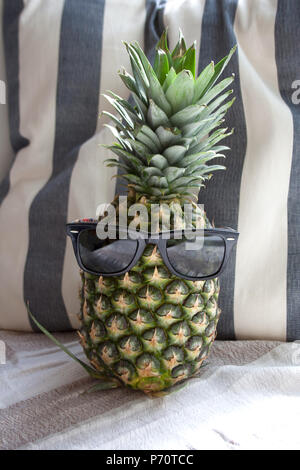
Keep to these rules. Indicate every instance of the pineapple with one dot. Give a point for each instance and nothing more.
(149, 329)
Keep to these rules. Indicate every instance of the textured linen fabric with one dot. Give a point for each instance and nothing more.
(247, 397)
(58, 172)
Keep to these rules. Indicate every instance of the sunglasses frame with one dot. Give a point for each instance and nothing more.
(229, 236)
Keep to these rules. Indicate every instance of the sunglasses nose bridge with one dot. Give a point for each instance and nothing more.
(159, 243)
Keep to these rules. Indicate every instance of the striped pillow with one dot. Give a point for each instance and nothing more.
(260, 191)
(61, 55)
(54, 106)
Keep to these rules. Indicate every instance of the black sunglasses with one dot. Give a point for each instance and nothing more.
(189, 254)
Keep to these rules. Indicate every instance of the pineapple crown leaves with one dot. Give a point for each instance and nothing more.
(165, 140)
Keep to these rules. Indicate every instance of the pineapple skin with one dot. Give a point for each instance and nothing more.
(148, 328)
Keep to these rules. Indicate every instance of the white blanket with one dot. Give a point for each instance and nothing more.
(247, 397)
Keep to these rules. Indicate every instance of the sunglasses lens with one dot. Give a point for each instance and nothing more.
(200, 257)
(105, 256)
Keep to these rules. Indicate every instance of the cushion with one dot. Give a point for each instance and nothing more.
(259, 192)
(58, 173)
(61, 56)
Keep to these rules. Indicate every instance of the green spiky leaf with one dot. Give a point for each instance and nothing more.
(203, 81)
(220, 67)
(168, 136)
(156, 116)
(180, 92)
(189, 62)
(92, 372)
(156, 91)
(161, 65)
(187, 115)
(174, 153)
(172, 173)
(159, 161)
(170, 77)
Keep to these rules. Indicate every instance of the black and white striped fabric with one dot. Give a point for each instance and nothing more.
(60, 56)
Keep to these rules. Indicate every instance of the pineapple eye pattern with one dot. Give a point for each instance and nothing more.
(145, 340)
(155, 346)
